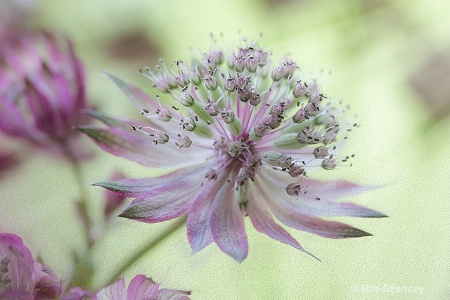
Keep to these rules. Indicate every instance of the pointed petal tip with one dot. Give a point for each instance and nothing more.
(380, 215)
(106, 185)
(240, 258)
(108, 75)
(310, 254)
(360, 233)
(123, 215)
(126, 214)
(373, 214)
(119, 82)
(91, 113)
(195, 250)
(129, 213)
(89, 130)
(81, 128)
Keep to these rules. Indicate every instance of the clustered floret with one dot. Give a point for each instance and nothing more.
(247, 107)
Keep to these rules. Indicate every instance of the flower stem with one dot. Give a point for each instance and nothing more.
(81, 204)
(146, 248)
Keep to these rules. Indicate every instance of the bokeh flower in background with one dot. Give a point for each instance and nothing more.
(242, 137)
(430, 83)
(42, 91)
(21, 277)
(140, 287)
(132, 45)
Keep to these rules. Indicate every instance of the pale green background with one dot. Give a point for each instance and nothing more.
(371, 54)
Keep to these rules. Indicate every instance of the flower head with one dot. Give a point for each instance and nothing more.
(20, 276)
(139, 288)
(242, 135)
(42, 89)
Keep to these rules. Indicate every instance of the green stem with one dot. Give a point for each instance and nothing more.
(146, 248)
(82, 204)
(83, 269)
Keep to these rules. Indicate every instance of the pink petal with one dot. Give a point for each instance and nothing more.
(166, 294)
(112, 121)
(15, 295)
(13, 123)
(292, 216)
(78, 293)
(141, 149)
(45, 115)
(320, 195)
(227, 224)
(142, 287)
(140, 99)
(134, 187)
(331, 190)
(115, 291)
(325, 208)
(328, 229)
(158, 208)
(198, 222)
(326, 190)
(46, 285)
(263, 222)
(20, 262)
(167, 198)
(80, 78)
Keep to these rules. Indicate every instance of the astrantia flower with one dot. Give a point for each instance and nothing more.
(42, 89)
(242, 135)
(22, 278)
(140, 287)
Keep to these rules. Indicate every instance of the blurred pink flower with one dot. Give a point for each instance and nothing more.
(42, 90)
(140, 287)
(22, 278)
(241, 136)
